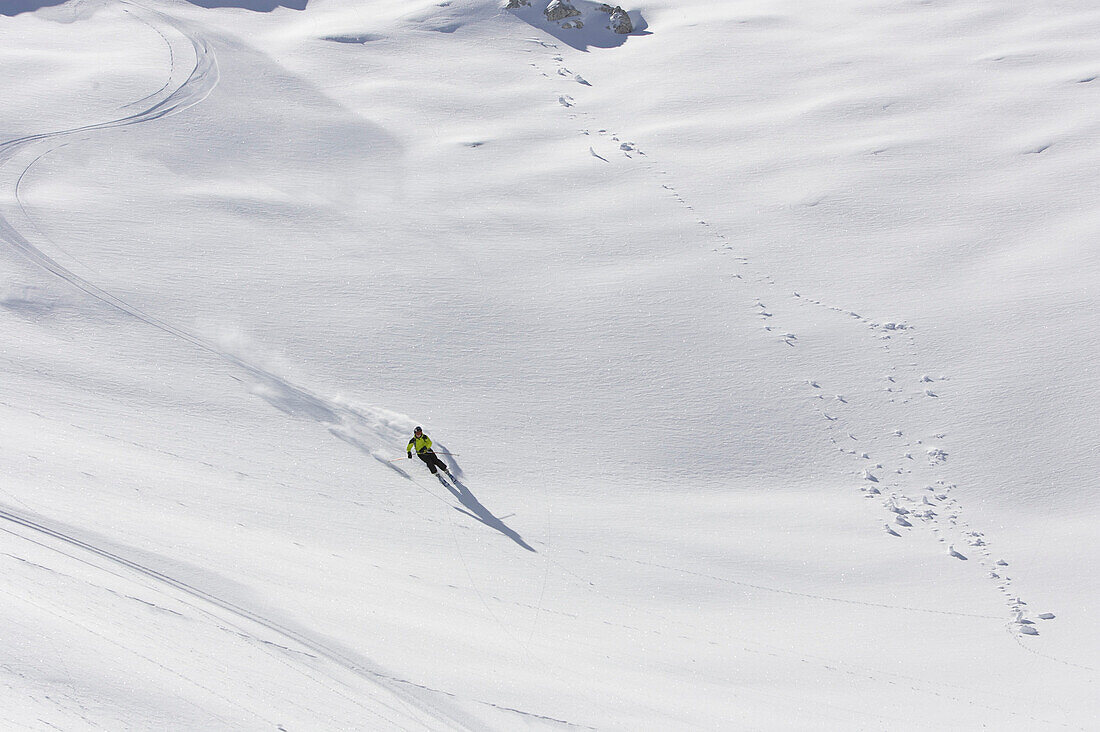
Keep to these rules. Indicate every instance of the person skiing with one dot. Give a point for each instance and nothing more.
(423, 445)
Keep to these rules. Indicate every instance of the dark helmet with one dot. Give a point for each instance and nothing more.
(418, 430)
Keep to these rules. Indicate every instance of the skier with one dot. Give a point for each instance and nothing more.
(423, 445)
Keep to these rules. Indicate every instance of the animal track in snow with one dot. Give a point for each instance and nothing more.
(936, 455)
(937, 510)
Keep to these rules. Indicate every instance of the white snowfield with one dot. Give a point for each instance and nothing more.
(765, 339)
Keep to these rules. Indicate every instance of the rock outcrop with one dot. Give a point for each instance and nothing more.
(575, 14)
(559, 10)
(620, 21)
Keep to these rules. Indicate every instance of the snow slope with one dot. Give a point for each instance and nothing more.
(763, 336)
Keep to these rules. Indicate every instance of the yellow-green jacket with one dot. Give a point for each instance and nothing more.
(422, 443)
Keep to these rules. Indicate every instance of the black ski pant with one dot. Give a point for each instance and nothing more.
(432, 461)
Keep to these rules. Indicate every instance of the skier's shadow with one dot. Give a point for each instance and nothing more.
(475, 510)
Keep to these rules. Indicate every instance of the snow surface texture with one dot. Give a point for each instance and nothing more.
(765, 337)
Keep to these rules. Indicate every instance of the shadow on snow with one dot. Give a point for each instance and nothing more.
(471, 506)
(15, 7)
(260, 6)
(593, 34)
(475, 510)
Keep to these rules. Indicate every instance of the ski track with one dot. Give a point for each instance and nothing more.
(405, 691)
(369, 430)
(68, 618)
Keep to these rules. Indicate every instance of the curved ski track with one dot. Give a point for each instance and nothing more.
(380, 426)
(405, 691)
(367, 432)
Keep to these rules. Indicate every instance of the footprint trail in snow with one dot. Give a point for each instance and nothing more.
(905, 470)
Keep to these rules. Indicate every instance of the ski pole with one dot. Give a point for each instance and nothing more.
(409, 458)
